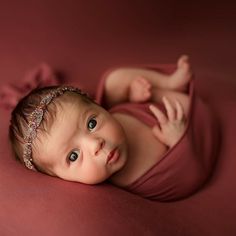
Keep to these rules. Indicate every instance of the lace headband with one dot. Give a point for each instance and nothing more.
(35, 120)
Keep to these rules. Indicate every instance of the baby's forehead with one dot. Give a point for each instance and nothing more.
(76, 105)
(57, 110)
(67, 110)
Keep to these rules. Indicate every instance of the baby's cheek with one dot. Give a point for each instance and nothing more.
(117, 129)
(94, 174)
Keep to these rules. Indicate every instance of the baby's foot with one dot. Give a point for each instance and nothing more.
(140, 90)
(181, 77)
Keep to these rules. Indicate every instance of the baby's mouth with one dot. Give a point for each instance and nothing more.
(113, 156)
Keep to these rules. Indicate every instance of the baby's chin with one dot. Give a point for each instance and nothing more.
(93, 182)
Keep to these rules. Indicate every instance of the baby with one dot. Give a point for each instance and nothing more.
(60, 131)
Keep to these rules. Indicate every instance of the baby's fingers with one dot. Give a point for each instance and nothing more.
(180, 111)
(158, 133)
(158, 114)
(169, 109)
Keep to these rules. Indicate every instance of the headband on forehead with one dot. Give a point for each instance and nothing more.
(36, 118)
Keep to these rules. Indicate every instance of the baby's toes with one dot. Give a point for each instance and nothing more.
(183, 60)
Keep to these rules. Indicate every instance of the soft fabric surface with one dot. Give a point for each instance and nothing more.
(80, 40)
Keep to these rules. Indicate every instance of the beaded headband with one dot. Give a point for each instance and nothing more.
(36, 118)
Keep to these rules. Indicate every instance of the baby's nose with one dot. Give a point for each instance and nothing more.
(97, 145)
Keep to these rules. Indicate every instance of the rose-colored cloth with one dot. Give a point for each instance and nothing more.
(186, 166)
(40, 76)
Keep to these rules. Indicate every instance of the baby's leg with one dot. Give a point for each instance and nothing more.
(183, 98)
(175, 81)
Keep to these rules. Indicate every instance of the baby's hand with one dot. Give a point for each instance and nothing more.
(139, 90)
(171, 127)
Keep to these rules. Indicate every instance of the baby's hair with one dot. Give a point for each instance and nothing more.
(35, 113)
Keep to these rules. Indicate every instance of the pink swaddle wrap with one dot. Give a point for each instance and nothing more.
(185, 167)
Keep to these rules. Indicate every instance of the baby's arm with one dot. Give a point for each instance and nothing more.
(172, 126)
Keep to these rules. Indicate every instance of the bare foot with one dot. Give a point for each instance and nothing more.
(181, 77)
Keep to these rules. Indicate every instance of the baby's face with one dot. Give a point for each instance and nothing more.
(86, 144)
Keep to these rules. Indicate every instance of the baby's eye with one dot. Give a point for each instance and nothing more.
(74, 155)
(92, 124)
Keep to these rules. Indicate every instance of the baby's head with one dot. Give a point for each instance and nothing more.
(60, 131)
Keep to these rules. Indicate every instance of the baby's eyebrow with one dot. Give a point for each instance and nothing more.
(85, 113)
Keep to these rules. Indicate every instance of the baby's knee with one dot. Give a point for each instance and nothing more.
(117, 73)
